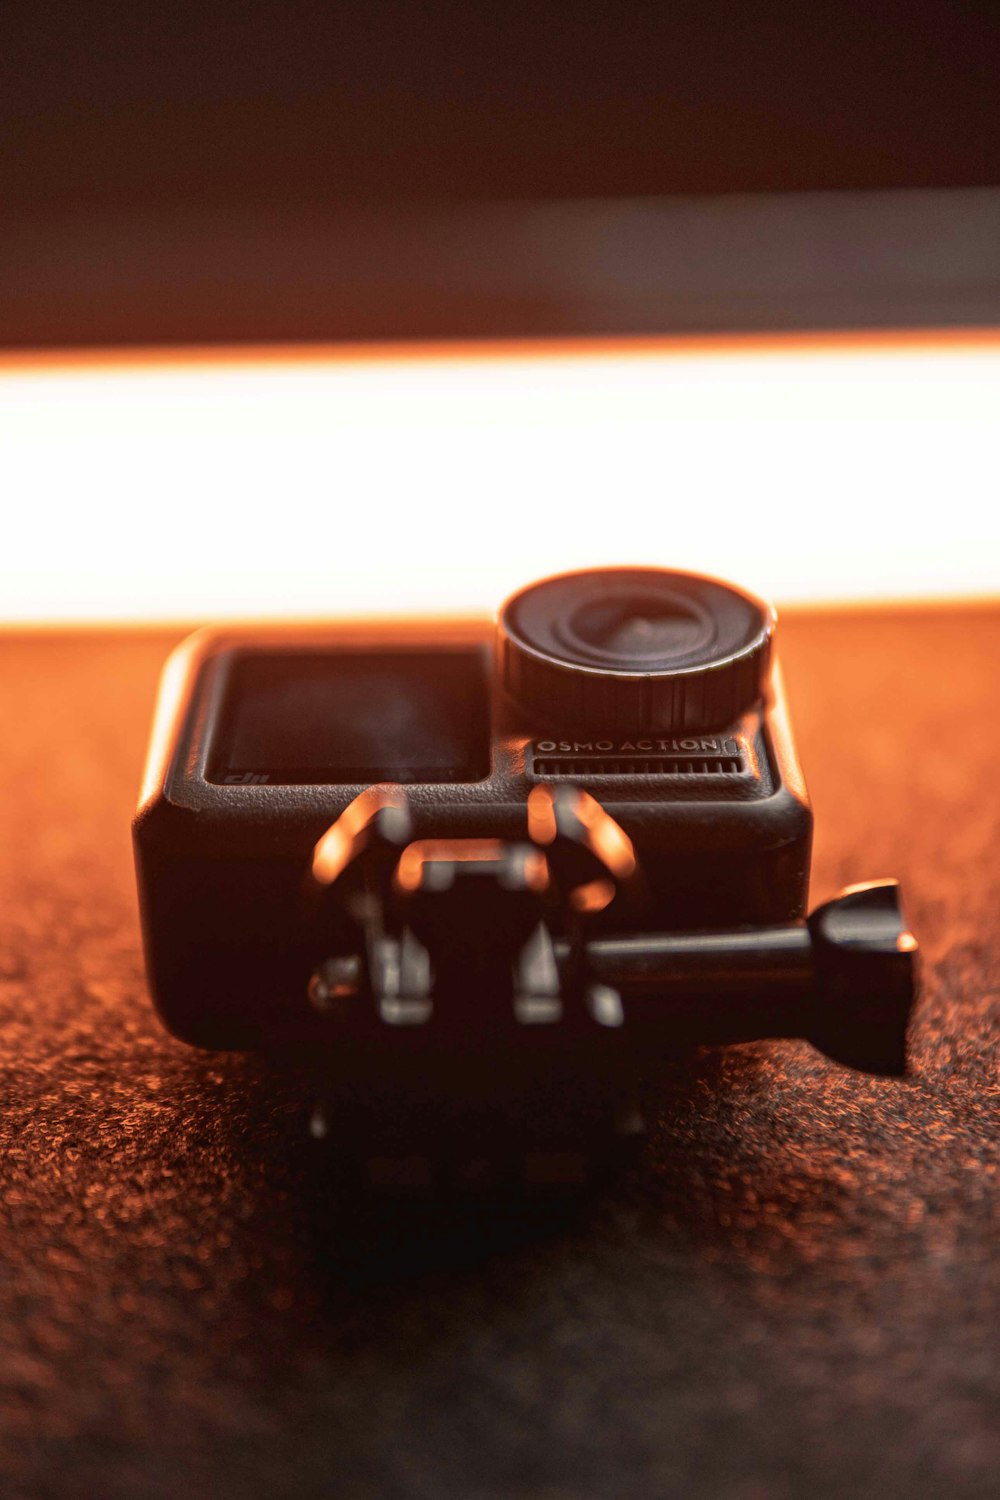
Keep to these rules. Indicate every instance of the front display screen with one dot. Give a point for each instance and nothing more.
(310, 717)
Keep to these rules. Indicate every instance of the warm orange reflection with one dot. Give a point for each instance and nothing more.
(335, 848)
(593, 897)
(609, 842)
(410, 871)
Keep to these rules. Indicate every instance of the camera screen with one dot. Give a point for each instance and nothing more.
(295, 717)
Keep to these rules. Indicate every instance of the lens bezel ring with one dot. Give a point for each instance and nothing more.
(694, 687)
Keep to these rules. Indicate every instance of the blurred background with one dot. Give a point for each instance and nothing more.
(312, 309)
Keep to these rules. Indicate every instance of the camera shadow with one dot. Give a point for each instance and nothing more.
(361, 1220)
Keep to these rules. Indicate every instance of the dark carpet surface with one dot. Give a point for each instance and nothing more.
(793, 1292)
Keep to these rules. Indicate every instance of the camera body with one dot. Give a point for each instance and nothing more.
(656, 693)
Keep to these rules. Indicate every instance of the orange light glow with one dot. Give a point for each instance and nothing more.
(609, 842)
(315, 482)
(541, 815)
(593, 897)
(334, 849)
(410, 871)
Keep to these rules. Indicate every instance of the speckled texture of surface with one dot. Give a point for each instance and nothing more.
(794, 1292)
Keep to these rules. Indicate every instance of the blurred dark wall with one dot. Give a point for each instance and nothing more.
(315, 170)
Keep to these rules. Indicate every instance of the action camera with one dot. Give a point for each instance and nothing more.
(460, 862)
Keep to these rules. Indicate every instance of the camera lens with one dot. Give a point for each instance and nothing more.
(637, 628)
(634, 649)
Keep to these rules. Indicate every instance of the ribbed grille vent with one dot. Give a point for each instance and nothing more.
(612, 765)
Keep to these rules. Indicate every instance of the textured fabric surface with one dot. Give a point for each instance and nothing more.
(793, 1292)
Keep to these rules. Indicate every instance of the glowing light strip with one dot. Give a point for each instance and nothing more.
(191, 486)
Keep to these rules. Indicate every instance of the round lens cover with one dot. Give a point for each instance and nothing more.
(635, 648)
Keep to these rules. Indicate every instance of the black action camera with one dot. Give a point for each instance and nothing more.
(459, 864)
